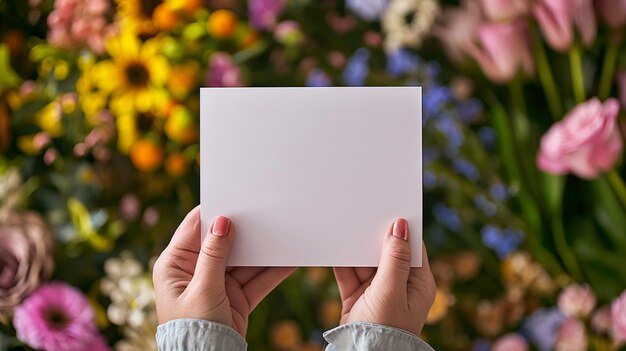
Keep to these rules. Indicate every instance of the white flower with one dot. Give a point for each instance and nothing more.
(131, 292)
(399, 33)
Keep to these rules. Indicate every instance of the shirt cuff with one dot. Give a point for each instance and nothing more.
(198, 335)
(372, 337)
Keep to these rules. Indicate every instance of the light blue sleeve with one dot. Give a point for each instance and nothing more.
(198, 335)
(372, 337)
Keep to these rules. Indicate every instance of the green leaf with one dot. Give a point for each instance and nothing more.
(608, 212)
(8, 77)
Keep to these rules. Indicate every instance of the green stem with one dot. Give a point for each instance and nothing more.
(576, 67)
(547, 80)
(521, 127)
(608, 68)
(617, 183)
(562, 247)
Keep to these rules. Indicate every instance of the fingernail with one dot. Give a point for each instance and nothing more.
(400, 229)
(221, 226)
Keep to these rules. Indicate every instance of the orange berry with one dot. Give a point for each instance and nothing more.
(176, 164)
(222, 23)
(164, 17)
(146, 155)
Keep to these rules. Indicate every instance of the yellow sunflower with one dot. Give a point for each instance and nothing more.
(133, 126)
(136, 15)
(135, 75)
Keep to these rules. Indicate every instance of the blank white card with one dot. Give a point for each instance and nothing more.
(312, 176)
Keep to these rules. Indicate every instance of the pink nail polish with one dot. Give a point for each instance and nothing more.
(400, 229)
(221, 226)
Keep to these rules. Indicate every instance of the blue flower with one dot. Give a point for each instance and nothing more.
(434, 99)
(369, 10)
(543, 326)
(469, 110)
(429, 155)
(317, 78)
(431, 70)
(357, 68)
(499, 192)
(503, 242)
(429, 179)
(450, 128)
(448, 217)
(466, 168)
(488, 137)
(401, 62)
(481, 345)
(488, 208)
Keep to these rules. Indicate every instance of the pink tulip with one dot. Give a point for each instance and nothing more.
(557, 19)
(586, 142)
(504, 50)
(458, 29)
(613, 12)
(504, 10)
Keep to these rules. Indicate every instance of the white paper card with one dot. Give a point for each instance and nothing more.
(312, 176)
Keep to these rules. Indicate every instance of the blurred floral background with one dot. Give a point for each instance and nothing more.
(524, 195)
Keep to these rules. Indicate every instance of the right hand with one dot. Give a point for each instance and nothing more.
(394, 294)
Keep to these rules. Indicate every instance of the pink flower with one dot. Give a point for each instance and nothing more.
(618, 317)
(57, 316)
(601, 320)
(586, 142)
(79, 24)
(571, 336)
(510, 342)
(613, 12)
(223, 72)
(458, 29)
(264, 13)
(505, 10)
(577, 301)
(504, 50)
(557, 19)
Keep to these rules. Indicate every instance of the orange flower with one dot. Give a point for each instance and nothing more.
(164, 17)
(146, 155)
(176, 164)
(286, 335)
(221, 24)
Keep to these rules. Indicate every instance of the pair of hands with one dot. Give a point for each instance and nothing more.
(191, 280)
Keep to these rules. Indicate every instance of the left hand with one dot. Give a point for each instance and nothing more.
(191, 279)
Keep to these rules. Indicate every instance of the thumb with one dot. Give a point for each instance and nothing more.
(395, 262)
(213, 258)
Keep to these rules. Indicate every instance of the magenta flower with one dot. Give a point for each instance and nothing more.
(618, 318)
(264, 13)
(223, 72)
(586, 142)
(557, 19)
(601, 320)
(57, 316)
(503, 50)
(577, 301)
(612, 12)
